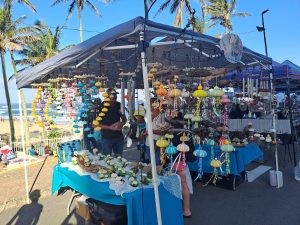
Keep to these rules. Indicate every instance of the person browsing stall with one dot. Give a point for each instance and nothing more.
(111, 126)
(160, 128)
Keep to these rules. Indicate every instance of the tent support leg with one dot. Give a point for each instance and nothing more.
(150, 133)
(23, 147)
(122, 96)
(274, 127)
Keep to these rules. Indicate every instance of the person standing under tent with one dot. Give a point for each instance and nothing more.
(182, 168)
(159, 126)
(111, 126)
(139, 115)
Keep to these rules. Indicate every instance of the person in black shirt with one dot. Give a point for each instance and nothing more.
(111, 127)
(90, 142)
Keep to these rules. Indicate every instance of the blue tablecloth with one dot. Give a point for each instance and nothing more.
(140, 203)
(238, 159)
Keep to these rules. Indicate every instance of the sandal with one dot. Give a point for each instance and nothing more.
(187, 217)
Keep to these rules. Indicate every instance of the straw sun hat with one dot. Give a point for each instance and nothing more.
(140, 111)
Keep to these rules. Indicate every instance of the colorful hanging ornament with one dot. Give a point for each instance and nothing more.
(175, 93)
(182, 148)
(170, 151)
(199, 94)
(162, 144)
(216, 94)
(161, 93)
(188, 116)
(227, 148)
(211, 142)
(225, 101)
(200, 154)
(216, 164)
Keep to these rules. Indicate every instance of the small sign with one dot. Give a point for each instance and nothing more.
(232, 47)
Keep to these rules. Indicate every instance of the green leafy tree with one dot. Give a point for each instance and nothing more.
(176, 6)
(80, 6)
(12, 39)
(44, 47)
(6, 24)
(221, 12)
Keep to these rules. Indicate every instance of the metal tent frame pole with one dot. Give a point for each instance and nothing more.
(150, 132)
(123, 96)
(274, 127)
(291, 116)
(23, 147)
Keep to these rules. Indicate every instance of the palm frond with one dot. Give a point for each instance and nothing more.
(93, 7)
(212, 25)
(163, 6)
(232, 6)
(19, 21)
(27, 3)
(71, 9)
(198, 25)
(241, 14)
(174, 6)
(56, 2)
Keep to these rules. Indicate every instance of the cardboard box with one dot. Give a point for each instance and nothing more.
(82, 208)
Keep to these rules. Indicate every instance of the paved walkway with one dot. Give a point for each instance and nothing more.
(12, 183)
(254, 203)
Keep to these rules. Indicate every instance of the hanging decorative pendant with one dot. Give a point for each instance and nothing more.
(162, 144)
(200, 154)
(227, 148)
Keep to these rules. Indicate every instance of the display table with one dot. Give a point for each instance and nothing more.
(140, 203)
(238, 159)
(260, 125)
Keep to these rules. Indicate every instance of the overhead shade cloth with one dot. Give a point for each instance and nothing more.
(117, 50)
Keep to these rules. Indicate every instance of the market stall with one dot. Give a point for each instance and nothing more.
(179, 66)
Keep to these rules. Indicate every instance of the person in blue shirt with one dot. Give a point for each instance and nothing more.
(32, 151)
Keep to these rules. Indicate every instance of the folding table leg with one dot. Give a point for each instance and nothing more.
(74, 194)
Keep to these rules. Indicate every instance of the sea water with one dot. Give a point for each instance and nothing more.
(60, 119)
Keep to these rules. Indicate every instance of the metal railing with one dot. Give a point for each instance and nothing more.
(52, 143)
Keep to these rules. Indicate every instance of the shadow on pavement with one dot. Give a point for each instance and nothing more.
(79, 221)
(29, 213)
(38, 174)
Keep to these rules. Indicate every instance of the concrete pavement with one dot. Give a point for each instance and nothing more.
(255, 203)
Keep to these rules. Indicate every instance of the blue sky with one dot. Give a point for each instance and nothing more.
(281, 22)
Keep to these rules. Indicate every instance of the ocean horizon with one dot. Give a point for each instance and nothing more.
(16, 113)
(15, 110)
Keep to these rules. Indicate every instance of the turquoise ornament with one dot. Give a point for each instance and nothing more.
(227, 148)
(211, 143)
(87, 129)
(200, 154)
(80, 85)
(170, 151)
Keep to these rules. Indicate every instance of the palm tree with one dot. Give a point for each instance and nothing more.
(176, 6)
(80, 5)
(221, 12)
(46, 46)
(8, 4)
(7, 42)
(199, 24)
(23, 36)
(6, 11)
